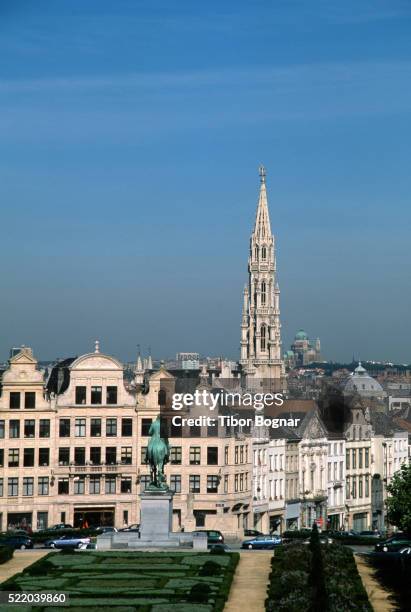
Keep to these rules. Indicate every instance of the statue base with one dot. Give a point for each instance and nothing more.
(156, 514)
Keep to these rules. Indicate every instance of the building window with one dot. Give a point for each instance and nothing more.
(236, 483)
(367, 457)
(1, 487)
(96, 394)
(212, 484)
(94, 487)
(126, 427)
(14, 400)
(143, 454)
(226, 483)
(79, 485)
(44, 429)
(125, 517)
(242, 482)
(2, 433)
(29, 428)
(13, 487)
(110, 485)
(162, 398)
(1, 457)
(28, 457)
(354, 458)
(226, 455)
(80, 428)
(175, 455)
(347, 488)
(145, 426)
(263, 293)
(125, 485)
(367, 486)
(43, 485)
(64, 456)
(111, 395)
(44, 456)
(354, 487)
(63, 486)
(241, 454)
(144, 482)
(14, 429)
(29, 399)
(360, 492)
(347, 459)
(28, 486)
(212, 455)
(126, 455)
(195, 454)
(263, 253)
(212, 429)
(64, 428)
(360, 459)
(175, 483)
(95, 455)
(194, 483)
(81, 395)
(236, 455)
(14, 457)
(111, 428)
(195, 431)
(111, 455)
(95, 428)
(79, 455)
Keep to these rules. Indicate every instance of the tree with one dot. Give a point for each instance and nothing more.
(399, 500)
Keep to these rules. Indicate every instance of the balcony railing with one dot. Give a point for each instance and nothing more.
(94, 469)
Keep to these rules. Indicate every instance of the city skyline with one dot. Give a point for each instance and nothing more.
(129, 174)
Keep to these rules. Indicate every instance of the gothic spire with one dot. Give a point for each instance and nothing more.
(262, 228)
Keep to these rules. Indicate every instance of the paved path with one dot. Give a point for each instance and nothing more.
(20, 560)
(377, 595)
(249, 587)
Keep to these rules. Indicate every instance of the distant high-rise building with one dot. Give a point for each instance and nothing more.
(260, 329)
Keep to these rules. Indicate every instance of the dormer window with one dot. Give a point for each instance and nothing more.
(30, 399)
(162, 397)
(81, 395)
(14, 399)
(96, 395)
(111, 395)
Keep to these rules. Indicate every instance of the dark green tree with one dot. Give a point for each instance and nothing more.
(399, 500)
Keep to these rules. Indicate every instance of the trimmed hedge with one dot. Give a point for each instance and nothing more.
(315, 577)
(6, 553)
(105, 578)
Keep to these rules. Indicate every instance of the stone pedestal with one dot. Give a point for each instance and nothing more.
(156, 515)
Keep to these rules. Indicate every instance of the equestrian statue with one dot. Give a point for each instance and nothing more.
(157, 455)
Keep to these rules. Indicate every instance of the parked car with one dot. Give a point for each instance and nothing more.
(135, 528)
(213, 536)
(264, 542)
(370, 534)
(105, 529)
(390, 557)
(250, 533)
(17, 542)
(324, 539)
(68, 541)
(220, 546)
(394, 543)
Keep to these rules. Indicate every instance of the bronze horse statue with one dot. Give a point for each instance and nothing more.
(157, 455)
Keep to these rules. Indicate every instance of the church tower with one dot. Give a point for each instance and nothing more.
(260, 328)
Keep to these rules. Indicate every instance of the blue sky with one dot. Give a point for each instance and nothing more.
(130, 137)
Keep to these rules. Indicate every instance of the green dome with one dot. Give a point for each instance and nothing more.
(301, 335)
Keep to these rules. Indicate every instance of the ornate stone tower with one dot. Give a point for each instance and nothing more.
(260, 329)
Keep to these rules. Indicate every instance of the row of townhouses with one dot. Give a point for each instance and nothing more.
(73, 451)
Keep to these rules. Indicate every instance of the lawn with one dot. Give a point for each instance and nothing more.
(129, 581)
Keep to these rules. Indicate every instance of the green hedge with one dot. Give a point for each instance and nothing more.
(343, 539)
(6, 553)
(315, 577)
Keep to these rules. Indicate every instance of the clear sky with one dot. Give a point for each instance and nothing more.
(130, 137)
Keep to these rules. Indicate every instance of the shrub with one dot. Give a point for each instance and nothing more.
(210, 568)
(6, 553)
(199, 593)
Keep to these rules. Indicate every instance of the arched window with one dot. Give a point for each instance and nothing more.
(263, 337)
(256, 252)
(263, 253)
(263, 292)
(162, 397)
